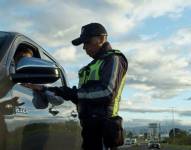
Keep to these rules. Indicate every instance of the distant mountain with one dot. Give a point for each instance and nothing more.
(143, 127)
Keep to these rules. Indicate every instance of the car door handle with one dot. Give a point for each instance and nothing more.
(74, 114)
(9, 106)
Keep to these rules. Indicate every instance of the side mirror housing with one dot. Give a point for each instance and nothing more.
(35, 70)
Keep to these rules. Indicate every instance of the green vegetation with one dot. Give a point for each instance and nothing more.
(46, 136)
(176, 147)
(179, 137)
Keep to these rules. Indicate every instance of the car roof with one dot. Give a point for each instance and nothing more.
(10, 36)
(11, 33)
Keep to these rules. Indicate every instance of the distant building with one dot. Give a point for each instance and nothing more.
(153, 131)
(164, 136)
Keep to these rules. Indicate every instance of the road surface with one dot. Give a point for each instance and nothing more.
(142, 147)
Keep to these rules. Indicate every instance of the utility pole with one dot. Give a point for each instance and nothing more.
(166, 125)
(159, 135)
(173, 127)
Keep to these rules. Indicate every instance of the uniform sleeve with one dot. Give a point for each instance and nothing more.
(111, 74)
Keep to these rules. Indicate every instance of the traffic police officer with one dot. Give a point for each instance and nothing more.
(100, 84)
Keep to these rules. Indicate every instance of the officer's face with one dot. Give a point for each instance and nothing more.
(92, 46)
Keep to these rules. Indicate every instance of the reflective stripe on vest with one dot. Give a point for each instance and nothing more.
(118, 97)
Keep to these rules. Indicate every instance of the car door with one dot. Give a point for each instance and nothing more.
(7, 111)
(8, 103)
(66, 122)
(27, 119)
(48, 128)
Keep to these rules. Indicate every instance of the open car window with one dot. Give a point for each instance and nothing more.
(27, 46)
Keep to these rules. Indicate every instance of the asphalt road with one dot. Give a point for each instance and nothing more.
(128, 147)
(141, 147)
(144, 147)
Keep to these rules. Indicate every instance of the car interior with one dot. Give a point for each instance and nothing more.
(23, 46)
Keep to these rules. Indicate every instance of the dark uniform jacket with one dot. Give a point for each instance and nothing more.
(100, 98)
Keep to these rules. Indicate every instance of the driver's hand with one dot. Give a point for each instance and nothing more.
(35, 87)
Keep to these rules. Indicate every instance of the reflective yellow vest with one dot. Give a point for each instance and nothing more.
(91, 72)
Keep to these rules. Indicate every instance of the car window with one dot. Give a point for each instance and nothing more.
(25, 47)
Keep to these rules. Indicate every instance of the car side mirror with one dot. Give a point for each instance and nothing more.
(35, 70)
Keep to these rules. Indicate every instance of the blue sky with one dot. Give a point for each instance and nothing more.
(155, 36)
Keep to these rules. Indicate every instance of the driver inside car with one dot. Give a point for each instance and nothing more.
(40, 99)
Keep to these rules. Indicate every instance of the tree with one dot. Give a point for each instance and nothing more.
(178, 136)
(130, 134)
(177, 132)
(145, 135)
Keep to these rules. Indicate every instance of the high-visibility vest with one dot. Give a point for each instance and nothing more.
(91, 73)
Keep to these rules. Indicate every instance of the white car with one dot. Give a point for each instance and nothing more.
(127, 141)
(153, 144)
(133, 141)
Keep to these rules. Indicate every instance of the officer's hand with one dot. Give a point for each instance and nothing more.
(65, 92)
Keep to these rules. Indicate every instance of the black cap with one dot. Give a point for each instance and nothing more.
(88, 31)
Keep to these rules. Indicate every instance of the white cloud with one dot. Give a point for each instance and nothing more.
(148, 37)
(142, 86)
(180, 112)
(182, 37)
(121, 4)
(153, 8)
(56, 23)
(59, 22)
(66, 54)
(33, 1)
(185, 122)
(129, 14)
(167, 124)
(120, 24)
(140, 99)
(157, 67)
